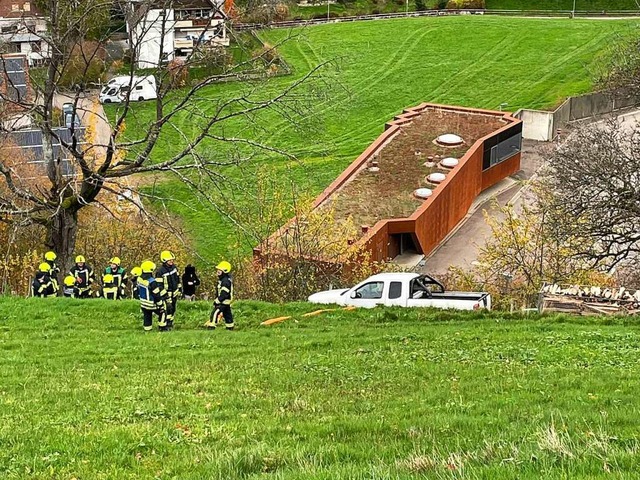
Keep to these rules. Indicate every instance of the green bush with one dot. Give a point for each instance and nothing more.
(420, 5)
(463, 4)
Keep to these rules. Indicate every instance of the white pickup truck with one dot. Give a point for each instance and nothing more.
(404, 290)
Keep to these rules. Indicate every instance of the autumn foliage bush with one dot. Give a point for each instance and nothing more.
(128, 234)
(464, 4)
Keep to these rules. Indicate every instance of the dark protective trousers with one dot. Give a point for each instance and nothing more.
(171, 308)
(147, 318)
(222, 312)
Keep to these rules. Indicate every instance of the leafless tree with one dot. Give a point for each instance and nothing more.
(594, 177)
(189, 134)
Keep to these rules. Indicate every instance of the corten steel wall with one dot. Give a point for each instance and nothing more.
(450, 201)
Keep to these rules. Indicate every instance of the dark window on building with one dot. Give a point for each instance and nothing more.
(395, 290)
(502, 146)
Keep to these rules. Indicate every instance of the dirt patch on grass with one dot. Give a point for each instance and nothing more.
(370, 197)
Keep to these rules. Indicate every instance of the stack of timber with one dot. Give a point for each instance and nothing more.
(580, 300)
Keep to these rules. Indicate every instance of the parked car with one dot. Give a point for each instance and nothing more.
(136, 89)
(404, 290)
(67, 109)
(70, 118)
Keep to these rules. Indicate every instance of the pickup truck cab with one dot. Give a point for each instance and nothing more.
(404, 290)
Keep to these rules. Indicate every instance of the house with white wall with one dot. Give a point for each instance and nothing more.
(166, 30)
(22, 28)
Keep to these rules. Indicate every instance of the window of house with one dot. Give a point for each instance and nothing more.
(15, 7)
(26, 6)
(395, 290)
(11, 48)
(35, 47)
(371, 290)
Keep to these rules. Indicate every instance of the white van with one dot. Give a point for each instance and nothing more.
(137, 88)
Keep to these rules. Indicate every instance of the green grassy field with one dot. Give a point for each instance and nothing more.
(384, 394)
(581, 5)
(363, 7)
(383, 67)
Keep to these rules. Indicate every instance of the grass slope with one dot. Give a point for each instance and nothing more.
(581, 5)
(351, 395)
(385, 66)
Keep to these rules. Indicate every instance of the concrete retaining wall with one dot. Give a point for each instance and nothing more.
(544, 126)
(536, 124)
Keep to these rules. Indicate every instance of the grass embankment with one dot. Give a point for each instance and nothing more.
(385, 66)
(350, 395)
(581, 5)
(364, 7)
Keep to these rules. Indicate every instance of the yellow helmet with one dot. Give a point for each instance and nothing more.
(44, 267)
(115, 261)
(69, 280)
(148, 266)
(136, 271)
(224, 266)
(50, 256)
(166, 255)
(108, 278)
(80, 259)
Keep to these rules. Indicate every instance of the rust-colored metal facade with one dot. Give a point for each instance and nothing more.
(450, 201)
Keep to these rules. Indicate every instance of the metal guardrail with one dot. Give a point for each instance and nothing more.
(440, 13)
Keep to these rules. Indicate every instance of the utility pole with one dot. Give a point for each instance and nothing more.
(406, 7)
(573, 12)
(329, 4)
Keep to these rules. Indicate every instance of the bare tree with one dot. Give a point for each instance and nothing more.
(594, 177)
(188, 134)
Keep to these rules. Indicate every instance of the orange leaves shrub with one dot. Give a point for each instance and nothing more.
(128, 234)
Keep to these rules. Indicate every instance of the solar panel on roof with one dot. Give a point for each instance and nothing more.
(30, 141)
(17, 78)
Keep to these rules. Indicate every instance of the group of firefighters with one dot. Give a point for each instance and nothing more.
(157, 289)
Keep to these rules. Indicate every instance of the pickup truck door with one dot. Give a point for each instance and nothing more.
(396, 293)
(367, 295)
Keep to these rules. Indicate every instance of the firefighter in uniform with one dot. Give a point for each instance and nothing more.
(110, 289)
(152, 297)
(42, 285)
(70, 289)
(135, 273)
(224, 298)
(83, 274)
(170, 277)
(119, 275)
(50, 258)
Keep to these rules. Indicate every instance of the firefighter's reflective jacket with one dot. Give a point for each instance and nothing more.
(151, 292)
(170, 278)
(54, 273)
(42, 286)
(224, 292)
(110, 291)
(85, 276)
(120, 277)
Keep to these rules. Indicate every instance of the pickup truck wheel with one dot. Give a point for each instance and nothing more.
(107, 100)
(140, 99)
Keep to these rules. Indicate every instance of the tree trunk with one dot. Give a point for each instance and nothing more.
(61, 237)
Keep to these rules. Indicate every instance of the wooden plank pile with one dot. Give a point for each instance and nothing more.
(580, 300)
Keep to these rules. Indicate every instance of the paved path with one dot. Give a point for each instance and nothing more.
(461, 247)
